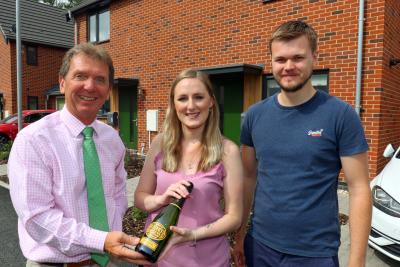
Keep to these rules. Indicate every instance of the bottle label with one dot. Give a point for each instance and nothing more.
(156, 231)
(148, 243)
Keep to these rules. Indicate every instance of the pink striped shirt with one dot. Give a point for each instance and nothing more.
(47, 187)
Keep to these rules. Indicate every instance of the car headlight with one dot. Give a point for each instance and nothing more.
(384, 202)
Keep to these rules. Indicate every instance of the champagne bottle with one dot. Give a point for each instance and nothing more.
(158, 232)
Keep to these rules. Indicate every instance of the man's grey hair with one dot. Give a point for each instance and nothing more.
(92, 51)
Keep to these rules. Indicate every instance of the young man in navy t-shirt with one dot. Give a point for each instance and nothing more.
(294, 145)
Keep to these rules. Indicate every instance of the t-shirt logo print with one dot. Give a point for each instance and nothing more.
(315, 133)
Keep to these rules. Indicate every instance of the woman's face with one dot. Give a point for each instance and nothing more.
(192, 103)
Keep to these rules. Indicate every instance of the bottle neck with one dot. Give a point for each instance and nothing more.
(179, 202)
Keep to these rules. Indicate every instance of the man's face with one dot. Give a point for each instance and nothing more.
(292, 63)
(86, 87)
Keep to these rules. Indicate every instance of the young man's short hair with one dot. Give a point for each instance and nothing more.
(293, 29)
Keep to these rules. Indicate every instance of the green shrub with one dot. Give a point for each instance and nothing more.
(5, 150)
(138, 214)
(4, 155)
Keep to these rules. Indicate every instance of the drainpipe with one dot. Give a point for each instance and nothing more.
(75, 32)
(359, 55)
(19, 63)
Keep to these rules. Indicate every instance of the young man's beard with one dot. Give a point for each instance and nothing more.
(296, 87)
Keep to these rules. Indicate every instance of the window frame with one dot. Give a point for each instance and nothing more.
(31, 55)
(97, 14)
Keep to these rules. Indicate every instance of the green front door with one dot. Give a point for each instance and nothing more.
(229, 93)
(128, 115)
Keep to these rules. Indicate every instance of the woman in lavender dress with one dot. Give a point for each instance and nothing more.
(191, 148)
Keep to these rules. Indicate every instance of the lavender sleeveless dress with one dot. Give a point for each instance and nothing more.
(200, 209)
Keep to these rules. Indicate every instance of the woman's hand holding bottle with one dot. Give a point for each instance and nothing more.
(174, 191)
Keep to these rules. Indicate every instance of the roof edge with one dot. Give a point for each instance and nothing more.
(36, 42)
(77, 10)
(232, 68)
(4, 34)
(134, 81)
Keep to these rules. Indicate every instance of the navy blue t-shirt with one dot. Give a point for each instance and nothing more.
(298, 151)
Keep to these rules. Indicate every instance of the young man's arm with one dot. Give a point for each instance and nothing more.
(355, 168)
(250, 178)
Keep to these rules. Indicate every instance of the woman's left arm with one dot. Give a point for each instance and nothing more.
(233, 198)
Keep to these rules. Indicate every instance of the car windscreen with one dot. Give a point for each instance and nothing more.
(10, 119)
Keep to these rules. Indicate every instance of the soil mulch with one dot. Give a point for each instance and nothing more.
(133, 224)
(343, 219)
(134, 165)
(134, 219)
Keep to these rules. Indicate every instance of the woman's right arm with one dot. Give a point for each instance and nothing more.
(145, 199)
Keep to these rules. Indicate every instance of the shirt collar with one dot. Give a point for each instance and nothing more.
(74, 125)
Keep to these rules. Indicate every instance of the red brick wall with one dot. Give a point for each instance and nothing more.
(81, 35)
(5, 72)
(372, 77)
(36, 80)
(389, 108)
(156, 41)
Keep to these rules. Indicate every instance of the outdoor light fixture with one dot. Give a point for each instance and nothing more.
(394, 62)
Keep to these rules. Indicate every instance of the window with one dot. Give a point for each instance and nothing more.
(10, 119)
(319, 80)
(33, 102)
(31, 55)
(60, 102)
(99, 26)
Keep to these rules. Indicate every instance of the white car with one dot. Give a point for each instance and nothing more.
(385, 230)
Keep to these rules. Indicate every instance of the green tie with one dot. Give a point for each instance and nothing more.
(95, 192)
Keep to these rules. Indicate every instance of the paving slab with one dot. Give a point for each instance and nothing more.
(3, 169)
(130, 189)
(10, 253)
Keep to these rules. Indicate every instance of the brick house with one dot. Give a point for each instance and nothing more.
(151, 42)
(45, 37)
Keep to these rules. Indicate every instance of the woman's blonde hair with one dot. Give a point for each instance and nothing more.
(211, 150)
